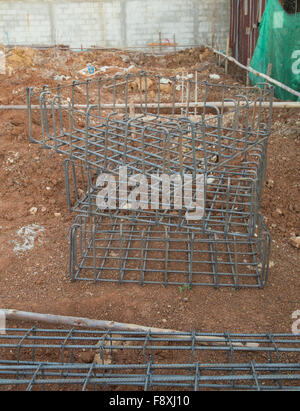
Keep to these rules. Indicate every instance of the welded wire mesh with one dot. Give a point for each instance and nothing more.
(229, 197)
(250, 377)
(108, 250)
(35, 359)
(132, 129)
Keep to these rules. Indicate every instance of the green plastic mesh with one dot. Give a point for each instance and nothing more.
(279, 45)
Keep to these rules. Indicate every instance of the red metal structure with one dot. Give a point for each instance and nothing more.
(244, 23)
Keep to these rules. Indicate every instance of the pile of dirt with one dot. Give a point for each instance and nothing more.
(19, 58)
(26, 67)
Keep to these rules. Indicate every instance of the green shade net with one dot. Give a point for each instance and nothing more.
(279, 44)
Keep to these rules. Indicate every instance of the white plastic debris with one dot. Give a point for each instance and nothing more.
(104, 68)
(27, 235)
(210, 180)
(129, 68)
(165, 81)
(214, 77)
(61, 78)
(127, 206)
(184, 77)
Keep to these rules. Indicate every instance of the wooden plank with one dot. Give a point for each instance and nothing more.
(108, 325)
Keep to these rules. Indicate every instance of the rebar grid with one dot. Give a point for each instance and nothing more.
(148, 360)
(107, 250)
(196, 377)
(148, 144)
(26, 345)
(179, 143)
(231, 196)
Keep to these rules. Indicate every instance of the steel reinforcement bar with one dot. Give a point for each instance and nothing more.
(108, 250)
(93, 360)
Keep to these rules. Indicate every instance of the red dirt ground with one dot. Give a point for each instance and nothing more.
(38, 279)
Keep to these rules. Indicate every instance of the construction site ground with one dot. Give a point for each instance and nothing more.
(32, 192)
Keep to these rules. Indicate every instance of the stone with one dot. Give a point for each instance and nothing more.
(295, 241)
(33, 210)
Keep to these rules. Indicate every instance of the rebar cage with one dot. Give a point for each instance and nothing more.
(103, 249)
(60, 359)
(155, 127)
(74, 121)
(230, 196)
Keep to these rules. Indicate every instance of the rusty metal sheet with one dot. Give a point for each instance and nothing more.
(244, 27)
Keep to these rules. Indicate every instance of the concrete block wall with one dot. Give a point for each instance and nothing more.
(76, 23)
(113, 23)
(144, 23)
